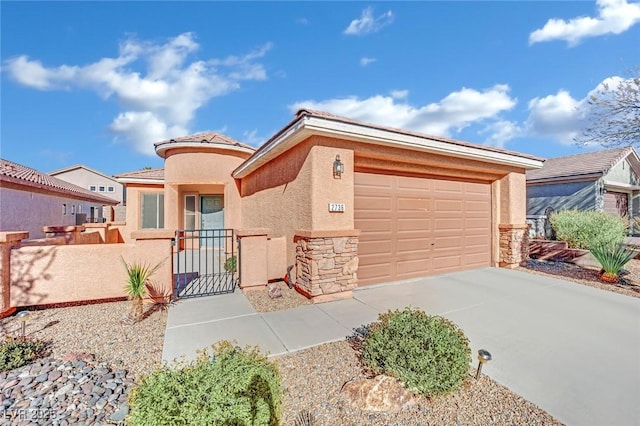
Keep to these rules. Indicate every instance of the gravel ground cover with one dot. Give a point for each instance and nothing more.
(629, 285)
(263, 303)
(313, 378)
(98, 329)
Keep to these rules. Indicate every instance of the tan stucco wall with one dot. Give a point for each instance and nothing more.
(71, 273)
(206, 172)
(132, 222)
(26, 209)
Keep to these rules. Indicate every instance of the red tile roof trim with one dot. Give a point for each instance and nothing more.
(23, 175)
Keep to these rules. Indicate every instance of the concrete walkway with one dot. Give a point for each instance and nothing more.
(571, 349)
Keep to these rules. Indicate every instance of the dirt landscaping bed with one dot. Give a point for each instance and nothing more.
(629, 285)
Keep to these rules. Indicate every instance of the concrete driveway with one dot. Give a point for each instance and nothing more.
(571, 349)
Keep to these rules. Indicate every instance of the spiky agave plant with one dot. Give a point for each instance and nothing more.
(138, 276)
(612, 258)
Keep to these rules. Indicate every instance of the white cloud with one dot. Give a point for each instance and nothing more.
(557, 116)
(368, 23)
(251, 137)
(614, 17)
(364, 61)
(157, 87)
(399, 94)
(501, 131)
(451, 114)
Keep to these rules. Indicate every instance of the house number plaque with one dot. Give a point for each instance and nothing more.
(336, 207)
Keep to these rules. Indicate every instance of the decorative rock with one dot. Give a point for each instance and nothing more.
(120, 414)
(274, 291)
(382, 393)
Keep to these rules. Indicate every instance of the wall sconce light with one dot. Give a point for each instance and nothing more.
(338, 168)
(483, 356)
(23, 317)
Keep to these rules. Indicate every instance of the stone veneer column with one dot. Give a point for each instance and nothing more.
(514, 245)
(8, 241)
(326, 264)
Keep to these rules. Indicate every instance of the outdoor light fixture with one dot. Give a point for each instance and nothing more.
(483, 356)
(23, 317)
(338, 168)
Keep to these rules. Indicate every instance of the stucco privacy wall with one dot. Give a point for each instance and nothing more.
(30, 209)
(204, 172)
(71, 273)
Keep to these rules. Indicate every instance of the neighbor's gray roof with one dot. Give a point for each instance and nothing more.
(18, 174)
(593, 164)
(150, 174)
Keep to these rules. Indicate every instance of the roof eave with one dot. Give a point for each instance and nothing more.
(565, 179)
(97, 198)
(162, 147)
(141, 180)
(306, 125)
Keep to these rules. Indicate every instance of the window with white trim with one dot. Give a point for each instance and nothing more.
(64, 209)
(73, 209)
(110, 189)
(152, 210)
(92, 188)
(189, 212)
(101, 188)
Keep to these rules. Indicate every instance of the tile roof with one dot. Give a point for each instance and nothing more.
(17, 173)
(328, 115)
(151, 174)
(207, 137)
(576, 165)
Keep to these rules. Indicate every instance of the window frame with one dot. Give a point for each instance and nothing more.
(159, 210)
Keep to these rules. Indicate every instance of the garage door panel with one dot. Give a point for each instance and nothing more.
(412, 227)
(372, 203)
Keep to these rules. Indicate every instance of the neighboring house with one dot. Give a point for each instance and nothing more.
(356, 203)
(605, 180)
(97, 182)
(30, 200)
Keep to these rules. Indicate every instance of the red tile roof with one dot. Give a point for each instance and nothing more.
(17, 173)
(595, 164)
(328, 115)
(151, 174)
(207, 137)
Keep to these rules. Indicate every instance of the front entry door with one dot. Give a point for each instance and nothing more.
(211, 215)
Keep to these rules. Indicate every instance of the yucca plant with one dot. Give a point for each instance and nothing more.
(138, 276)
(612, 258)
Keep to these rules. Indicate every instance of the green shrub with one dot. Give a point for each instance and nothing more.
(612, 258)
(429, 354)
(227, 386)
(584, 230)
(231, 264)
(17, 351)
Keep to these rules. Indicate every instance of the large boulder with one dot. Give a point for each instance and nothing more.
(381, 393)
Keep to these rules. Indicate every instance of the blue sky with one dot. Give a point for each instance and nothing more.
(97, 83)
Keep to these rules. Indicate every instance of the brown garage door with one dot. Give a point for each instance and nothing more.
(414, 226)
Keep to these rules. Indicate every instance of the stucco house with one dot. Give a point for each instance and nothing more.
(30, 200)
(606, 180)
(97, 182)
(353, 203)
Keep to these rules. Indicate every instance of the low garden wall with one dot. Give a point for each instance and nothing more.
(39, 273)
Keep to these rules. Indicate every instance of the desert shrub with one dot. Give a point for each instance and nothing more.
(584, 230)
(612, 258)
(429, 354)
(17, 351)
(224, 386)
